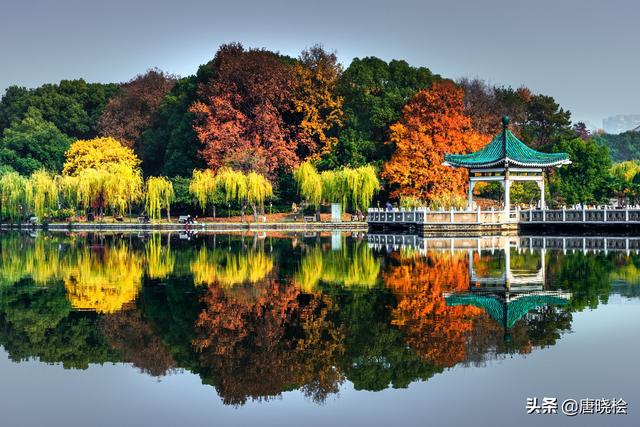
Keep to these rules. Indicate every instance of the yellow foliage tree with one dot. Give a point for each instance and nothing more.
(159, 196)
(108, 174)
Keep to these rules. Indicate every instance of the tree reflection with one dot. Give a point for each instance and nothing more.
(436, 331)
(258, 347)
(257, 317)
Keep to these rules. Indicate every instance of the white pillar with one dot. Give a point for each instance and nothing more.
(471, 185)
(541, 184)
(507, 198)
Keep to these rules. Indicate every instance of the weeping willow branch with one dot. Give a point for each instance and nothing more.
(159, 196)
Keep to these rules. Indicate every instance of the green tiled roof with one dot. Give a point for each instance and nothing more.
(506, 148)
(506, 314)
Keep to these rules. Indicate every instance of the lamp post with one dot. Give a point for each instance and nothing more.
(270, 206)
(229, 209)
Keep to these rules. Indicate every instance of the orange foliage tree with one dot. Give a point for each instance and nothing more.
(433, 123)
(317, 73)
(437, 332)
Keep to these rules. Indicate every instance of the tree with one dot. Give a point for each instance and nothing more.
(309, 183)
(374, 94)
(625, 146)
(546, 121)
(581, 130)
(203, 187)
(44, 193)
(158, 196)
(171, 146)
(73, 106)
(316, 73)
(133, 109)
(33, 143)
(251, 189)
(432, 124)
(354, 187)
(585, 179)
(15, 194)
(108, 174)
(242, 114)
(98, 153)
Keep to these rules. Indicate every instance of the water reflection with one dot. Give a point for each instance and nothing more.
(257, 315)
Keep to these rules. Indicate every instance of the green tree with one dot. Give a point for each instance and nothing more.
(171, 146)
(374, 93)
(546, 121)
(33, 143)
(625, 146)
(73, 106)
(585, 180)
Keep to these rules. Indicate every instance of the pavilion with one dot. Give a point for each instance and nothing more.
(506, 159)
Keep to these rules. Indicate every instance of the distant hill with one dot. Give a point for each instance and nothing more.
(624, 146)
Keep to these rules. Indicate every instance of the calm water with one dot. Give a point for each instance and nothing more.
(311, 330)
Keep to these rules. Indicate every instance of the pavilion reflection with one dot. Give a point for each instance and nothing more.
(506, 279)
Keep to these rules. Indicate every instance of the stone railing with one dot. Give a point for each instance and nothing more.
(425, 216)
(597, 215)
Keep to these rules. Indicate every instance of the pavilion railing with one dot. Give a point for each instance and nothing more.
(427, 216)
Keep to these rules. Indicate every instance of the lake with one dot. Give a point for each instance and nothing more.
(315, 329)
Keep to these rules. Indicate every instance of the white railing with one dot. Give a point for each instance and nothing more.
(453, 216)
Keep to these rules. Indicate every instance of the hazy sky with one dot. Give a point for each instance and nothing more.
(585, 53)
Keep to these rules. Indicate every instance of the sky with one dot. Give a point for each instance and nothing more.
(584, 53)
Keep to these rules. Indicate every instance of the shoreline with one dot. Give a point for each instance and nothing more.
(200, 227)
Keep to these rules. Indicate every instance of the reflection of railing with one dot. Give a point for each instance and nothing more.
(392, 242)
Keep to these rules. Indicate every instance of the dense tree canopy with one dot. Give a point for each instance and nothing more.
(374, 93)
(133, 108)
(73, 106)
(585, 179)
(625, 146)
(242, 114)
(433, 124)
(33, 143)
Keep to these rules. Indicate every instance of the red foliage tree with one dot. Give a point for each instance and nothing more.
(133, 109)
(243, 116)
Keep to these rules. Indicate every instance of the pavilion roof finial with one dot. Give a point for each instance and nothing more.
(505, 128)
(505, 122)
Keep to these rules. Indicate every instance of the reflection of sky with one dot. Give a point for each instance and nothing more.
(596, 360)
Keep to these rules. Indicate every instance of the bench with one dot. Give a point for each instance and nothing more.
(182, 219)
(309, 219)
(119, 219)
(143, 219)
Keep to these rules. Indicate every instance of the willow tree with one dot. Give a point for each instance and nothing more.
(123, 187)
(258, 190)
(108, 174)
(15, 195)
(44, 193)
(363, 184)
(309, 184)
(232, 185)
(354, 187)
(203, 187)
(159, 196)
(67, 191)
